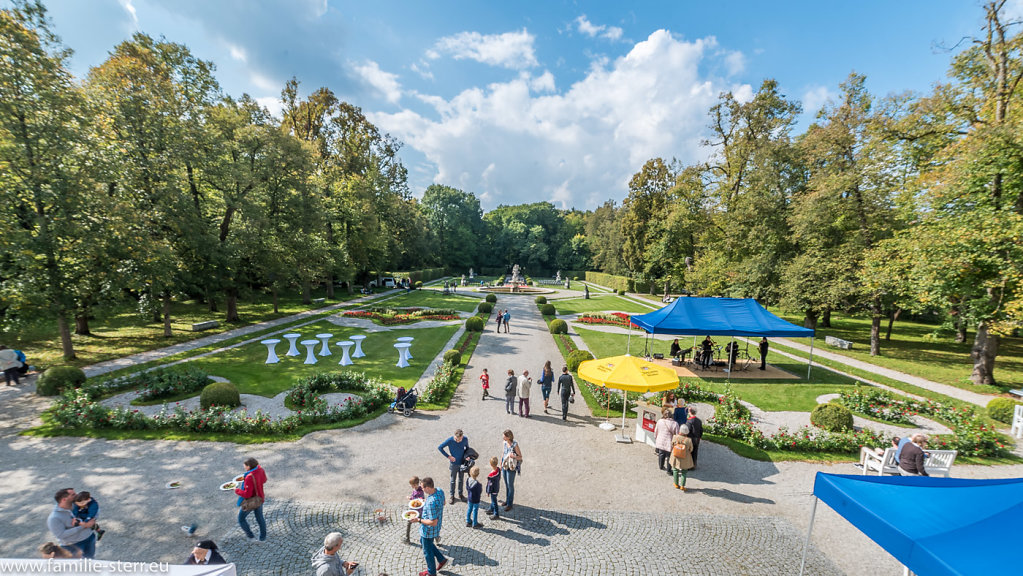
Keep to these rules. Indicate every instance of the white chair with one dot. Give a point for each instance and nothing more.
(1017, 422)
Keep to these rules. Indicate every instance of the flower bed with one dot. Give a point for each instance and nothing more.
(78, 409)
(613, 319)
(393, 316)
(166, 382)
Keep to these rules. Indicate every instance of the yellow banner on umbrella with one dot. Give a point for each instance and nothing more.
(628, 373)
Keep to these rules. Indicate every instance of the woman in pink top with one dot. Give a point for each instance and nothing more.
(665, 429)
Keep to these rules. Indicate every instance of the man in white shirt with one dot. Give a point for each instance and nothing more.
(525, 383)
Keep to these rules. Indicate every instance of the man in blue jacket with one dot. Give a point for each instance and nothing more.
(455, 452)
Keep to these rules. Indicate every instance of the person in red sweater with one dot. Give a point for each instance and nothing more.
(252, 487)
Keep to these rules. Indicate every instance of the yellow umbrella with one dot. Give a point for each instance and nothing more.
(627, 373)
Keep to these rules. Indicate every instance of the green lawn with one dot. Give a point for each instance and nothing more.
(244, 366)
(921, 350)
(599, 303)
(434, 299)
(119, 331)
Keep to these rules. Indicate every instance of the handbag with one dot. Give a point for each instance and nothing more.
(250, 504)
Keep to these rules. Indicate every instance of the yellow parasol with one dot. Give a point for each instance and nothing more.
(628, 374)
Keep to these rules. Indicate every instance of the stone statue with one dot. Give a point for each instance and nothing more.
(463, 279)
(586, 292)
(558, 277)
(471, 274)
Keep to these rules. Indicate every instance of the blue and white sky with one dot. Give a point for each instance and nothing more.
(540, 100)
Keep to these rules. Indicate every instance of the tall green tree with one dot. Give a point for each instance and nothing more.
(455, 222)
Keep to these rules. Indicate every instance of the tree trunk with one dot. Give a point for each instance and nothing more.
(891, 320)
(960, 324)
(875, 327)
(232, 305)
(330, 286)
(211, 302)
(810, 319)
(273, 290)
(166, 315)
(985, 349)
(826, 318)
(82, 323)
(307, 292)
(65, 337)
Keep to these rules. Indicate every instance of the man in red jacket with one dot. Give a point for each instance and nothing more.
(252, 487)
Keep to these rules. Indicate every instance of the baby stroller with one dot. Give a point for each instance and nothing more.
(404, 402)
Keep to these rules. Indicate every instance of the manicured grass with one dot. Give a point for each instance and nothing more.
(599, 303)
(120, 330)
(245, 368)
(922, 350)
(434, 299)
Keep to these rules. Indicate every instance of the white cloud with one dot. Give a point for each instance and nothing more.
(815, 98)
(735, 62)
(423, 70)
(263, 83)
(385, 83)
(129, 7)
(520, 141)
(584, 26)
(237, 52)
(271, 103)
(509, 50)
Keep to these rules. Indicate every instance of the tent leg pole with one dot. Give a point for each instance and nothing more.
(628, 343)
(809, 529)
(809, 366)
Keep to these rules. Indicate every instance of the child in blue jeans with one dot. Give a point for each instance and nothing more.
(494, 487)
(475, 489)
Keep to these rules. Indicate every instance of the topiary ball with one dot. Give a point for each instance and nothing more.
(621, 292)
(548, 310)
(419, 284)
(485, 307)
(474, 324)
(832, 417)
(559, 326)
(1001, 409)
(541, 299)
(58, 379)
(453, 357)
(491, 298)
(220, 394)
(577, 357)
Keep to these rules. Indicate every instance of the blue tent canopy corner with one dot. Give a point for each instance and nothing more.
(718, 317)
(933, 526)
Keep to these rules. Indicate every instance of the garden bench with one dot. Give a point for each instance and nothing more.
(204, 325)
(939, 463)
(319, 301)
(1017, 421)
(838, 343)
(1018, 393)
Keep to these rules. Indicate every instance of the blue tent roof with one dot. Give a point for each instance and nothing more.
(934, 526)
(718, 317)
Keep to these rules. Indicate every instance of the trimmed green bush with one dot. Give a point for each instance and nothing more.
(474, 324)
(541, 300)
(220, 394)
(559, 326)
(419, 284)
(548, 310)
(453, 357)
(485, 307)
(621, 292)
(832, 417)
(491, 298)
(58, 379)
(577, 357)
(1001, 409)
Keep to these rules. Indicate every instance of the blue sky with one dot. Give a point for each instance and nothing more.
(528, 101)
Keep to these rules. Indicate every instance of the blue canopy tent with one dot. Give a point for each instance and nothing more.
(720, 317)
(933, 526)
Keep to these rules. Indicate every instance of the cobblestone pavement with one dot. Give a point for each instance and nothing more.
(536, 541)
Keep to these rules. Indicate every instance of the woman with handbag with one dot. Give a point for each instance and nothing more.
(251, 498)
(511, 464)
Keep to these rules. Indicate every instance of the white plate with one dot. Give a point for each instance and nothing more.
(173, 485)
(410, 515)
(229, 485)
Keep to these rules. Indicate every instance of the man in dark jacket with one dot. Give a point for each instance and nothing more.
(566, 388)
(763, 353)
(695, 432)
(911, 461)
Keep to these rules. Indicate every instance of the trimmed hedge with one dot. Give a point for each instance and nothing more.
(559, 326)
(474, 324)
(548, 310)
(485, 308)
(832, 417)
(453, 357)
(577, 357)
(541, 300)
(624, 283)
(1002, 409)
(222, 394)
(491, 298)
(59, 379)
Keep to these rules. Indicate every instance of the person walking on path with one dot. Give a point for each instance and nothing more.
(525, 383)
(695, 434)
(500, 318)
(511, 463)
(681, 457)
(566, 389)
(456, 446)
(546, 383)
(429, 528)
(510, 388)
(507, 318)
(252, 487)
(10, 365)
(78, 539)
(763, 352)
(665, 429)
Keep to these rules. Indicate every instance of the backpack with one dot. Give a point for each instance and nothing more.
(678, 451)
